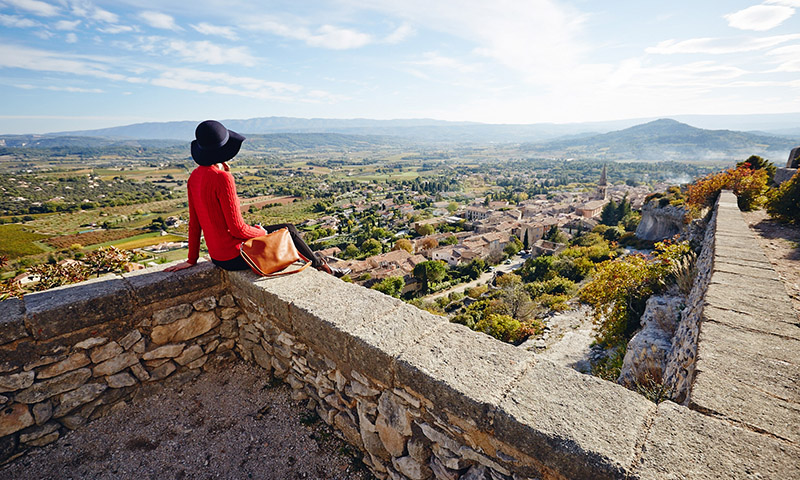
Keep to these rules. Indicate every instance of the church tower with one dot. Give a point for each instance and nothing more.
(602, 185)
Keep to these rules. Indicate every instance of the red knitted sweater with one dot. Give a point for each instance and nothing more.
(214, 209)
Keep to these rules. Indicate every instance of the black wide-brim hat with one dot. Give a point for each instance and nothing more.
(214, 143)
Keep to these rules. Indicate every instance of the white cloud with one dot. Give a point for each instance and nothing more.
(718, 46)
(335, 38)
(433, 59)
(26, 86)
(35, 7)
(17, 21)
(207, 52)
(116, 29)
(86, 9)
(759, 17)
(788, 3)
(326, 36)
(208, 29)
(159, 20)
(67, 25)
(538, 38)
(399, 34)
(788, 56)
(17, 56)
(71, 38)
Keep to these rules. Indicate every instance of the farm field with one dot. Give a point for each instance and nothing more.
(90, 238)
(18, 241)
(144, 240)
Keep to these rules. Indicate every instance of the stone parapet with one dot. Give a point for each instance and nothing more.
(420, 397)
(748, 349)
(424, 399)
(72, 354)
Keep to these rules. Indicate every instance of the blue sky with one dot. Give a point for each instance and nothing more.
(67, 65)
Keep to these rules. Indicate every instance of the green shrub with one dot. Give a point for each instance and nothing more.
(784, 202)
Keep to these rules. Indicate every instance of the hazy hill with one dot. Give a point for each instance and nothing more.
(667, 139)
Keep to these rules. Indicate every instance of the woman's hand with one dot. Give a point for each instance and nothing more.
(180, 266)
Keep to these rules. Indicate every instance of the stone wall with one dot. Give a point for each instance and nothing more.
(421, 398)
(659, 223)
(679, 371)
(72, 354)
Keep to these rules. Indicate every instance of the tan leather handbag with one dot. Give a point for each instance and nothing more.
(269, 254)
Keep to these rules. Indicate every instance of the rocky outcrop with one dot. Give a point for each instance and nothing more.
(659, 223)
(792, 167)
(646, 356)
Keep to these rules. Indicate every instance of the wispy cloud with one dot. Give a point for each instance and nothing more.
(159, 20)
(788, 56)
(60, 89)
(719, 46)
(71, 38)
(326, 36)
(435, 60)
(17, 21)
(759, 17)
(35, 7)
(399, 34)
(219, 31)
(114, 29)
(209, 53)
(198, 52)
(85, 9)
(67, 25)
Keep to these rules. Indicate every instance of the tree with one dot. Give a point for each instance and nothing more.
(404, 244)
(428, 243)
(513, 247)
(429, 272)
(610, 215)
(452, 207)
(392, 286)
(425, 229)
(371, 247)
(757, 163)
(350, 251)
(784, 203)
(474, 269)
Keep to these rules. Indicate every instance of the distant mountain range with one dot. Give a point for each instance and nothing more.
(442, 131)
(668, 139)
(663, 139)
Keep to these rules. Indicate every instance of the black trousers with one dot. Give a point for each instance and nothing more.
(238, 263)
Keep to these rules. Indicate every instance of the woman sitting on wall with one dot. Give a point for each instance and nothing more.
(214, 206)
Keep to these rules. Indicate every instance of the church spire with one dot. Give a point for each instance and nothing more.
(602, 185)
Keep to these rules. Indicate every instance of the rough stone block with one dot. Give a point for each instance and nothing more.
(101, 354)
(75, 398)
(185, 328)
(685, 444)
(14, 418)
(169, 315)
(374, 345)
(16, 381)
(43, 390)
(189, 355)
(162, 372)
(461, 371)
(575, 424)
(116, 364)
(130, 339)
(12, 324)
(90, 343)
(73, 362)
(153, 285)
(205, 304)
(120, 380)
(37, 432)
(66, 309)
(164, 351)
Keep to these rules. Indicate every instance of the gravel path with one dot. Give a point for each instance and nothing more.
(230, 422)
